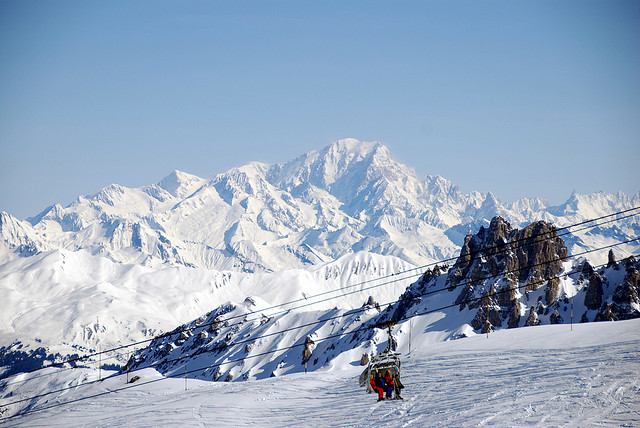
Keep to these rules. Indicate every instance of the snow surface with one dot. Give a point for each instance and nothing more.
(537, 376)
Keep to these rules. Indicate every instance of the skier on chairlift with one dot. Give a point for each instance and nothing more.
(376, 387)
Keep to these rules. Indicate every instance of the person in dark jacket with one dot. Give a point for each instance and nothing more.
(397, 385)
(380, 383)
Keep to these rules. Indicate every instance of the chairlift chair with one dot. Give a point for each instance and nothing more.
(387, 360)
(381, 363)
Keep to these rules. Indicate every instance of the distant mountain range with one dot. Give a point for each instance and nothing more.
(350, 196)
(127, 264)
(503, 278)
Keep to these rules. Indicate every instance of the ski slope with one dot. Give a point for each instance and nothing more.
(542, 376)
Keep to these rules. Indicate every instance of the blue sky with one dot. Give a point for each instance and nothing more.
(536, 98)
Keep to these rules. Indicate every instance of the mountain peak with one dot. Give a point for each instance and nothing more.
(351, 145)
(180, 184)
(349, 196)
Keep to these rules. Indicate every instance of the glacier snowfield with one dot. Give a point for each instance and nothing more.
(553, 375)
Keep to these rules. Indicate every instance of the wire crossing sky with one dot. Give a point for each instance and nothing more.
(518, 98)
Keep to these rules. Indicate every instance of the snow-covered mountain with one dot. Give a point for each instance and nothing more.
(350, 196)
(73, 302)
(503, 278)
(126, 264)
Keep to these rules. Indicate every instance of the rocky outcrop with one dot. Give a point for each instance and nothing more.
(514, 313)
(532, 255)
(552, 291)
(533, 318)
(625, 302)
(504, 259)
(626, 293)
(556, 318)
(593, 296)
(502, 271)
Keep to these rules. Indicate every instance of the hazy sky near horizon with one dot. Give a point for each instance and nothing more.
(536, 98)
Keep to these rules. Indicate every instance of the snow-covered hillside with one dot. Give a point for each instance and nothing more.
(73, 302)
(541, 376)
(503, 278)
(350, 196)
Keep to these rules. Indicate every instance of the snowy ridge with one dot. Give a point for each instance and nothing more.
(350, 196)
(18, 238)
(73, 302)
(520, 284)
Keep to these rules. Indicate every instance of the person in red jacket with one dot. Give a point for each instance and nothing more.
(376, 388)
(388, 381)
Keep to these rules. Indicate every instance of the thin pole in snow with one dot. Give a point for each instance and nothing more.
(99, 353)
(488, 324)
(128, 358)
(185, 377)
(410, 322)
(571, 313)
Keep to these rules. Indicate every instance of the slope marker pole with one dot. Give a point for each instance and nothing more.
(571, 313)
(487, 309)
(410, 328)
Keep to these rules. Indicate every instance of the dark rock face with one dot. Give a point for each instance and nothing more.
(605, 313)
(552, 291)
(514, 314)
(593, 296)
(364, 360)
(625, 302)
(501, 271)
(627, 292)
(556, 318)
(532, 256)
(479, 322)
(532, 319)
(612, 259)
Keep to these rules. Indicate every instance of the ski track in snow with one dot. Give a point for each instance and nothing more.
(522, 388)
(531, 376)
